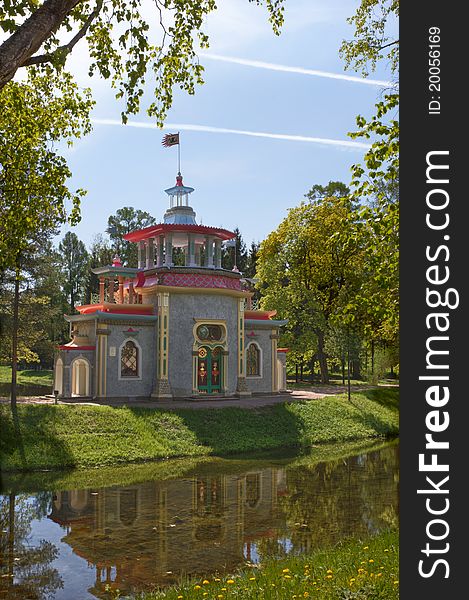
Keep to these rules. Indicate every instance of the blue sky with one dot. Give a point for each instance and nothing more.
(240, 181)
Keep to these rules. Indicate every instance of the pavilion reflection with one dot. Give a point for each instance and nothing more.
(147, 535)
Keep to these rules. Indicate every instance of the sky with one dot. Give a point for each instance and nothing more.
(270, 121)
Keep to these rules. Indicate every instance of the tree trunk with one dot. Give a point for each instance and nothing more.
(372, 358)
(296, 372)
(356, 374)
(342, 362)
(313, 362)
(30, 36)
(301, 369)
(322, 359)
(14, 341)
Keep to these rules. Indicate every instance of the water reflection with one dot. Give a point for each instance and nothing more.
(145, 535)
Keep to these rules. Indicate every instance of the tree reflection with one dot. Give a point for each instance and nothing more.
(25, 570)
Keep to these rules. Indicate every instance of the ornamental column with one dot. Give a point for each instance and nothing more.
(209, 252)
(159, 250)
(148, 245)
(121, 289)
(140, 250)
(162, 387)
(102, 289)
(218, 254)
(190, 256)
(168, 250)
(241, 388)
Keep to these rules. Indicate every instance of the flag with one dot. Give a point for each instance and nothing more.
(170, 139)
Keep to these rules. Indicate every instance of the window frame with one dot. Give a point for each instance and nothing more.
(261, 361)
(137, 377)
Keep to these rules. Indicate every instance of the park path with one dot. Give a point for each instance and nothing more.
(314, 393)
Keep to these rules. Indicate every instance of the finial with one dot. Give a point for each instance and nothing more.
(179, 179)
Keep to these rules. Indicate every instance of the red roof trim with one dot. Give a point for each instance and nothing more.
(260, 315)
(142, 234)
(284, 350)
(66, 347)
(125, 309)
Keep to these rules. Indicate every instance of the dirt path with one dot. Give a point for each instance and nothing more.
(249, 402)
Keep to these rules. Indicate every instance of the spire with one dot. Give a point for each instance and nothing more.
(179, 210)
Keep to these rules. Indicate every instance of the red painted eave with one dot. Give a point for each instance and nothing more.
(284, 350)
(122, 309)
(260, 315)
(72, 346)
(161, 228)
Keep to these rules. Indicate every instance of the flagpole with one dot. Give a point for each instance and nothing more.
(179, 153)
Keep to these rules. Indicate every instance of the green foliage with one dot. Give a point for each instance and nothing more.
(126, 220)
(354, 569)
(75, 267)
(372, 41)
(33, 177)
(310, 266)
(132, 42)
(83, 436)
(27, 377)
(236, 255)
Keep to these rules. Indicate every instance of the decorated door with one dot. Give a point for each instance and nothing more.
(209, 370)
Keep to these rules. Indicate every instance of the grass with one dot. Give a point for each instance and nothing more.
(29, 377)
(134, 474)
(352, 570)
(52, 437)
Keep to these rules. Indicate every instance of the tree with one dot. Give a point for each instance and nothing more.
(252, 260)
(101, 254)
(309, 267)
(124, 45)
(33, 193)
(126, 220)
(235, 255)
(75, 265)
(376, 182)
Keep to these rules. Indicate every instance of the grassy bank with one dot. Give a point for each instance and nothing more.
(28, 377)
(83, 436)
(355, 569)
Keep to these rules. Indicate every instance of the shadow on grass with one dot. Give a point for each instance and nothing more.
(21, 433)
(236, 430)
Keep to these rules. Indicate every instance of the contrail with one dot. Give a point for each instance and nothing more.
(208, 129)
(287, 69)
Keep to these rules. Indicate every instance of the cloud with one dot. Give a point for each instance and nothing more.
(261, 134)
(288, 69)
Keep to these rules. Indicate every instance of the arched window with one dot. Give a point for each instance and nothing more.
(130, 359)
(253, 360)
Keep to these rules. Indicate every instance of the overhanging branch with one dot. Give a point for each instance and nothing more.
(64, 50)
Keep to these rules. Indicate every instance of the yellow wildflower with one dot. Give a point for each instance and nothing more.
(216, 579)
(352, 579)
(287, 576)
(252, 579)
(223, 589)
(328, 571)
(386, 550)
(378, 574)
(286, 571)
(361, 570)
(205, 581)
(328, 576)
(306, 595)
(197, 587)
(371, 560)
(230, 581)
(396, 582)
(365, 547)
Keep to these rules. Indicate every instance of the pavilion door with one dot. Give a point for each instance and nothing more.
(209, 370)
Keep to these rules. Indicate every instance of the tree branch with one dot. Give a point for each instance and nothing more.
(30, 36)
(66, 48)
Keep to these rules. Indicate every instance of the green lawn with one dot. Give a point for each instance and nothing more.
(27, 377)
(82, 436)
(352, 570)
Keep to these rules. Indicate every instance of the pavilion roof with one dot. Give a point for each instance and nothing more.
(161, 228)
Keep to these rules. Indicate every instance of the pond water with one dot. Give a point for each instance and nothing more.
(71, 543)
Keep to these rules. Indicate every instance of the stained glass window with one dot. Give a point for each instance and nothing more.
(129, 360)
(253, 361)
(210, 332)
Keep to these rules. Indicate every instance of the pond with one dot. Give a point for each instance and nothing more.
(190, 518)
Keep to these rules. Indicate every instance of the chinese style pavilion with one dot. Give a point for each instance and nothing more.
(178, 325)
